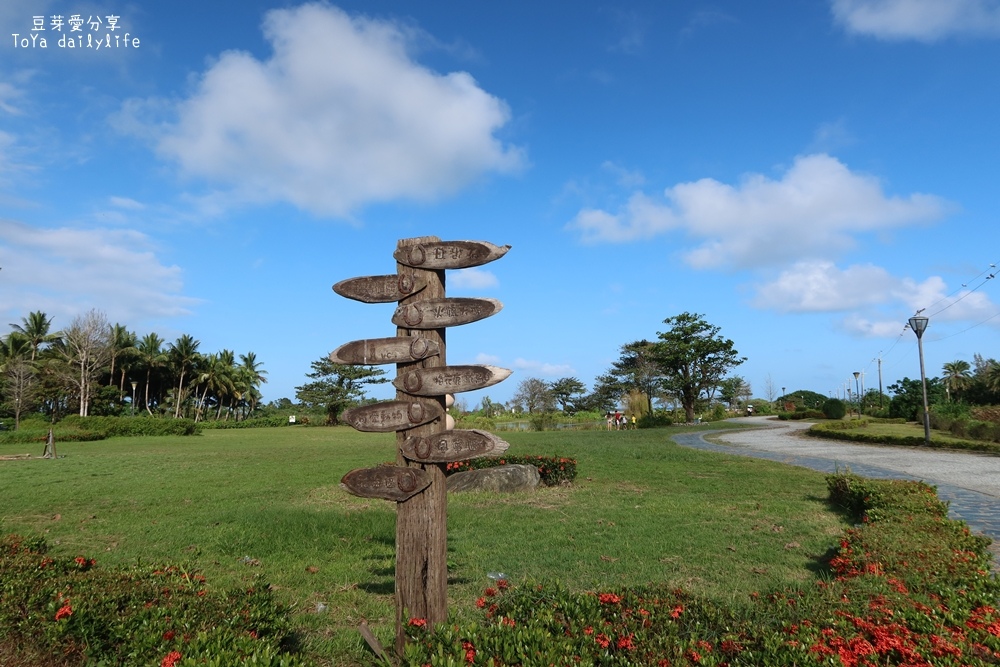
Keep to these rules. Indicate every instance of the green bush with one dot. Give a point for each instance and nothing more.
(801, 414)
(80, 613)
(542, 421)
(834, 408)
(255, 422)
(553, 470)
(656, 419)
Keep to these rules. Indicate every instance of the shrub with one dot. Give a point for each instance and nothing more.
(553, 470)
(656, 419)
(541, 421)
(834, 408)
(76, 611)
(986, 413)
(255, 422)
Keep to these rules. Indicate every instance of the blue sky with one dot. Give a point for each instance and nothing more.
(804, 174)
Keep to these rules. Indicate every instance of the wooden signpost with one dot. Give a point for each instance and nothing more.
(424, 442)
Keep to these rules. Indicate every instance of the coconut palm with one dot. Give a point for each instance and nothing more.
(36, 329)
(252, 376)
(957, 377)
(123, 348)
(216, 376)
(150, 355)
(183, 354)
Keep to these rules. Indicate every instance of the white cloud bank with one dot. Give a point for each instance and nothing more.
(923, 20)
(814, 210)
(339, 116)
(65, 271)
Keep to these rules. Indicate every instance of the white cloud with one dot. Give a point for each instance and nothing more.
(924, 20)
(339, 116)
(68, 271)
(542, 368)
(813, 210)
(126, 203)
(472, 279)
(489, 359)
(820, 286)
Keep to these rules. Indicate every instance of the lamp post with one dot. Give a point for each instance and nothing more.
(857, 392)
(134, 385)
(919, 324)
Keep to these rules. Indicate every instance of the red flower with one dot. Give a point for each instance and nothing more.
(417, 622)
(603, 640)
(481, 602)
(509, 622)
(692, 655)
(470, 652)
(609, 598)
(588, 630)
(171, 659)
(625, 642)
(65, 611)
(490, 592)
(678, 610)
(168, 635)
(502, 584)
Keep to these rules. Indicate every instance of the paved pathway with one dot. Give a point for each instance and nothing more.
(970, 482)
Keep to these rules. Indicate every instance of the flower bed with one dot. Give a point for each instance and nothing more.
(553, 470)
(907, 586)
(73, 609)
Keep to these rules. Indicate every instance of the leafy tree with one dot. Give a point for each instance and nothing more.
(957, 377)
(908, 397)
(183, 355)
(534, 395)
(36, 330)
(563, 391)
(733, 390)
(337, 386)
(150, 355)
(693, 358)
(638, 368)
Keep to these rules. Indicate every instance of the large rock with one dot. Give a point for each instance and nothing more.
(501, 479)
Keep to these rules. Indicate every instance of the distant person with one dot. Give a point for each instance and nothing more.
(749, 411)
(633, 422)
(609, 417)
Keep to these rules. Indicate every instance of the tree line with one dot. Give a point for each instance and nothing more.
(93, 367)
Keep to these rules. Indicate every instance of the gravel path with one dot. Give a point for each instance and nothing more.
(970, 482)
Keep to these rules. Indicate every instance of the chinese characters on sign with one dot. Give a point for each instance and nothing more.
(73, 31)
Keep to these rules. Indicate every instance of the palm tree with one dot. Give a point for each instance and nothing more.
(216, 375)
(957, 377)
(252, 375)
(993, 376)
(36, 329)
(150, 355)
(183, 357)
(123, 344)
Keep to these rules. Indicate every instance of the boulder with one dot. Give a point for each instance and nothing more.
(501, 479)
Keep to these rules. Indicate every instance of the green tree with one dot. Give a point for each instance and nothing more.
(638, 368)
(957, 378)
(564, 390)
(335, 387)
(183, 355)
(908, 397)
(36, 330)
(150, 355)
(693, 359)
(216, 376)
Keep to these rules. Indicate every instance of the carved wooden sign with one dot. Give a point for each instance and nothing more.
(436, 255)
(385, 350)
(447, 312)
(379, 289)
(456, 445)
(448, 379)
(386, 482)
(392, 415)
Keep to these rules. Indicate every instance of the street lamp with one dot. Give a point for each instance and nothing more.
(919, 324)
(134, 385)
(857, 392)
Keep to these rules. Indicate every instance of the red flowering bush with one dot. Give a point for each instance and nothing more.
(553, 470)
(907, 587)
(80, 613)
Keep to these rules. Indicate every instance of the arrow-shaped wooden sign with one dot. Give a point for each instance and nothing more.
(379, 289)
(435, 255)
(397, 350)
(392, 415)
(449, 312)
(386, 482)
(456, 445)
(448, 379)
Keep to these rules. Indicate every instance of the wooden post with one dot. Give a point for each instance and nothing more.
(422, 521)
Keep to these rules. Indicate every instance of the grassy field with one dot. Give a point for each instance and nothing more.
(236, 503)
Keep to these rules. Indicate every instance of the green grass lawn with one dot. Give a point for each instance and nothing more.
(236, 503)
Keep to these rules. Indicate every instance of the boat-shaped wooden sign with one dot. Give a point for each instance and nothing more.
(396, 350)
(380, 289)
(449, 312)
(392, 415)
(456, 445)
(386, 482)
(435, 255)
(448, 379)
